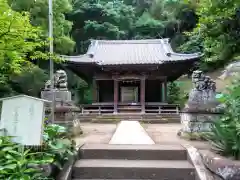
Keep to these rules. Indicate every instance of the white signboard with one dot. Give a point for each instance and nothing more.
(23, 117)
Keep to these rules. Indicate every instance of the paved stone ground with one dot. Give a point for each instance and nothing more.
(167, 134)
(160, 133)
(96, 133)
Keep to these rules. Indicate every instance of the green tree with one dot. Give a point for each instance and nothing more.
(32, 78)
(18, 39)
(217, 31)
(166, 19)
(30, 82)
(100, 20)
(148, 27)
(38, 10)
(225, 133)
(173, 93)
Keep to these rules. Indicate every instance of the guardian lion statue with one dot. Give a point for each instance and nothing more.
(60, 81)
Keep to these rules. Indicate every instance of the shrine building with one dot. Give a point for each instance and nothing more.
(130, 74)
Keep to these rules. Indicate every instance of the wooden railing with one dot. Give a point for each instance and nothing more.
(97, 108)
(150, 108)
(162, 108)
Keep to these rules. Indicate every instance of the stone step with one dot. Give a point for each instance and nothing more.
(134, 117)
(130, 118)
(109, 179)
(133, 152)
(104, 179)
(150, 121)
(133, 169)
(129, 114)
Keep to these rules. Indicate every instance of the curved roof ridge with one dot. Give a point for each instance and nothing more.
(85, 58)
(91, 48)
(74, 56)
(169, 51)
(143, 51)
(131, 41)
(166, 46)
(189, 54)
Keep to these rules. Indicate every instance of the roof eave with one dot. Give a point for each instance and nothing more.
(81, 59)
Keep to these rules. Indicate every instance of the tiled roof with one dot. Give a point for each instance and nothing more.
(113, 52)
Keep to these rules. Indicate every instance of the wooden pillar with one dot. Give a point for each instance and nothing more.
(115, 95)
(97, 91)
(94, 91)
(164, 91)
(142, 93)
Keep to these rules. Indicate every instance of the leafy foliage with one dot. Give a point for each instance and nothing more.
(196, 25)
(19, 43)
(173, 93)
(18, 163)
(24, 41)
(101, 20)
(58, 144)
(17, 38)
(29, 81)
(38, 11)
(217, 30)
(225, 136)
(32, 74)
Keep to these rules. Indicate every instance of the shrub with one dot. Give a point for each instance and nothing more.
(58, 144)
(225, 135)
(17, 162)
(173, 92)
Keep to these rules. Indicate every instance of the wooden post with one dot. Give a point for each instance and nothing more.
(159, 110)
(94, 91)
(97, 91)
(99, 110)
(115, 95)
(164, 91)
(142, 92)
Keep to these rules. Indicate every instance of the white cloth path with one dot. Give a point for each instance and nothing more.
(130, 132)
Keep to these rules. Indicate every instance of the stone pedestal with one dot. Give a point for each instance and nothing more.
(201, 108)
(197, 122)
(60, 95)
(65, 110)
(198, 116)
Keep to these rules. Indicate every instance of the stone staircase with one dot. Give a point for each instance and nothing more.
(108, 161)
(147, 118)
